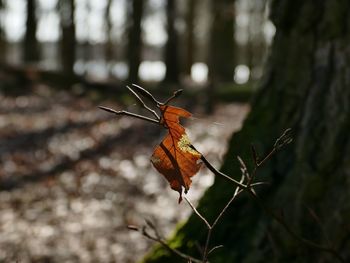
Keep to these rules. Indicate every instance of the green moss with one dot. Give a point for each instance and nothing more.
(235, 92)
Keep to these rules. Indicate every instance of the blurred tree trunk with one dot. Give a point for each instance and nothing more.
(221, 50)
(256, 46)
(190, 19)
(68, 41)
(31, 49)
(221, 61)
(2, 34)
(171, 51)
(109, 47)
(305, 87)
(135, 11)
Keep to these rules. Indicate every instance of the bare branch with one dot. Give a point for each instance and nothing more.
(175, 95)
(235, 194)
(197, 213)
(244, 169)
(259, 183)
(159, 240)
(238, 190)
(214, 248)
(126, 113)
(142, 103)
(284, 139)
(218, 173)
(147, 95)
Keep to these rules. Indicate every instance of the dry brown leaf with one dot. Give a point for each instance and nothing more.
(174, 157)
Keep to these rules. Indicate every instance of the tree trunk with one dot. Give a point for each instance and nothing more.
(2, 34)
(221, 51)
(171, 52)
(109, 47)
(305, 87)
(68, 42)
(221, 62)
(31, 51)
(190, 19)
(135, 44)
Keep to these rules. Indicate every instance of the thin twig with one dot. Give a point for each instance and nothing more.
(177, 252)
(197, 213)
(214, 248)
(147, 94)
(236, 193)
(142, 103)
(175, 95)
(281, 141)
(266, 158)
(259, 183)
(164, 244)
(244, 169)
(210, 230)
(126, 113)
(218, 173)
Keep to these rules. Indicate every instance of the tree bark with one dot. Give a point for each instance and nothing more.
(68, 42)
(31, 50)
(135, 11)
(305, 87)
(171, 51)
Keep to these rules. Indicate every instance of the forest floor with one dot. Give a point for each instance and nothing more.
(72, 177)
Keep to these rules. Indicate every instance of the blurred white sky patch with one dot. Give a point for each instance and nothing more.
(45, 33)
(269, 30)
(154, 31)
(14, 20)
(47, 5)
(118, 18)
(241, 31)
(152, 70)
(241, 74)
(120, 70)
(199, 72)
(156, 4)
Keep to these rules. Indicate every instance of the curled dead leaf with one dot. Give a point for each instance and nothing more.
(174, 157)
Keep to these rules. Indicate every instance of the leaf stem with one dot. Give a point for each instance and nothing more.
(218, 173)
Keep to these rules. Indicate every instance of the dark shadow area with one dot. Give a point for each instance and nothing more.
(127, 137)
(24, 141)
